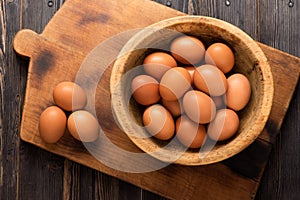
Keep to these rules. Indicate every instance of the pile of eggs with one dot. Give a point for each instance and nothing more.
(191, 92)
(68, 113)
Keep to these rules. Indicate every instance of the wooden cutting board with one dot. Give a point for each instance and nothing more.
(57, 54)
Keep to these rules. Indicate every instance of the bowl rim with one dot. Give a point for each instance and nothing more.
(268, 88)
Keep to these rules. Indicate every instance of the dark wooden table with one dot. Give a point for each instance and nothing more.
(28, 172)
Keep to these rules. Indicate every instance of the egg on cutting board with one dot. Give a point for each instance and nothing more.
(52, 124)
(83, 126)
(69, 96)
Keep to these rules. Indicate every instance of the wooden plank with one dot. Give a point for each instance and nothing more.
(81, 182)
(43, 11)
(108, 187)
(208, 8)
(44, 173)
(243, 14)
(11, 92)
(281, 176)
(128, 191)
(41, 176)
(146, 195)
(279, 27)
(186, 6)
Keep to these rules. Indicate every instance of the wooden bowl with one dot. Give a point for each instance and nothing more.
(249, 60)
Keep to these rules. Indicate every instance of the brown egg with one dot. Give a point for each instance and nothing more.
(69, 96)
(83, 126)
(156, 64)
(187, 49)
(220, 55)
(238, 92)
(52, 124)
(224, 126)
(210, 79)
(189, 133)
(174, 107)
(159, 122)
(145, 90)
(174, 83)
(199, 107)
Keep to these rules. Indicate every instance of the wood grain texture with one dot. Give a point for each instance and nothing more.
(55, 52)
(186, 6)
(47, 168)
(11, 92)
(273, 23)
(281, 178)
(279, 28)
(278, 25)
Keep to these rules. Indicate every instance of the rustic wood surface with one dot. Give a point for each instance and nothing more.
(28, 172)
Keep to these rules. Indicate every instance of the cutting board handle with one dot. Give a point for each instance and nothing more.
(27, 42)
